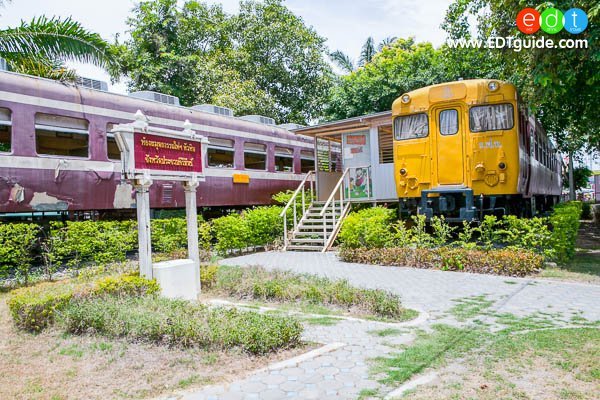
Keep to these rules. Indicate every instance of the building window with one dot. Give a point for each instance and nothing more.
(220, 153)
(255, 156)
(307, 161)
(5, 130)
(112, 150)
(386, 144)
(61, 136)
(284, 159)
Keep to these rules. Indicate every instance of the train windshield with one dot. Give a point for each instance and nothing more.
(493, 117)
(411, 126)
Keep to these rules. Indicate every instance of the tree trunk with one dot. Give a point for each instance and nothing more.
(571, 180)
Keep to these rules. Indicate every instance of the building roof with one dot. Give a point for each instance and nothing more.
(344, 124)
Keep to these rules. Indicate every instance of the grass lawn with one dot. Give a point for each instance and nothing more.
(585, 268)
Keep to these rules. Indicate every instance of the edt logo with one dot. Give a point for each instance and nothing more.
(552, 21)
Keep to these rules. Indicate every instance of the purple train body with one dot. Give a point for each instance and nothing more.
(85, 178)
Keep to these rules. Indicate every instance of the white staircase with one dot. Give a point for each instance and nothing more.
(313, 229)
(320, 222)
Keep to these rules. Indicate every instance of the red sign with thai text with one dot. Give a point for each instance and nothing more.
(356, 139)
(166, 153)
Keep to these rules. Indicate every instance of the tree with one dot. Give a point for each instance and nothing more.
(580, 178)
(42, 46)
(367, 52)
(344, 62)
(263, 60)
(562, 86)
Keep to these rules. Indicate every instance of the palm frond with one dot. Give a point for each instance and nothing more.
(51, 69)
(55, 39)
(387, 42)
(367, 52)
(342, 60)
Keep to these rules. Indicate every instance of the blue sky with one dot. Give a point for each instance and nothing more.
(345, 24)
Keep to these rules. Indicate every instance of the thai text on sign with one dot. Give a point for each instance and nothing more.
(166, 153)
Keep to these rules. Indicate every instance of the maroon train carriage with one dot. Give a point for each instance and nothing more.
(56, 154)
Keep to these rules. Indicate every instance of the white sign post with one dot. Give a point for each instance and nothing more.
(152, 153)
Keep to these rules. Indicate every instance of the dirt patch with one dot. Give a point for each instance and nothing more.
(55, 366)
(588, 236)
(528, 376)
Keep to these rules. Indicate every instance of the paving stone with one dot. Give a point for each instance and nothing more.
(272, 394)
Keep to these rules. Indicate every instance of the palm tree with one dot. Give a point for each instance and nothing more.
(344, 62)
(367, 52)
(42, 46)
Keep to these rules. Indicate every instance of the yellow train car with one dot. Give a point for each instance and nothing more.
(470, 148)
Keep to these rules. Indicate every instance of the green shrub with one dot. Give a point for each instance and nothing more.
(527, 233)
(16, 244)
(586, 210)
(168, 235)
(208, 275)
(77, 242)
(264, 224)
(369, 227)
(34, 308)
(565, 226)
(177, 322)
(259, 284)
(511, 262)
(231, 232)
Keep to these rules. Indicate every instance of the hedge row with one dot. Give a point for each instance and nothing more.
(554, 238)
(508, 262)
(77, 242)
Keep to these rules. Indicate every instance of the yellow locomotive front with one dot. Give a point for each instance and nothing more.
(456, 148)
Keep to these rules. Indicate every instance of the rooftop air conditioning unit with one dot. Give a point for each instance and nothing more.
(92, 83)
(211, 108)
(291, 126)
(259, 118)
(155, 96)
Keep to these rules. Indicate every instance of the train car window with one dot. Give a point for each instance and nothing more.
(112, 150)
(255, 156)
(411, 126)
(284, 159)
(307, 161)
(493, 117)
(220, 153)
(386, 144)
(61, 136)
(448, 122)
(5, 130)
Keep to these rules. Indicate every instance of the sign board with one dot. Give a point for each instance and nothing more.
(160, 153)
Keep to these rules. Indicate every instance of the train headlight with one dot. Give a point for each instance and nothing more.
(502, 165)
(405, 98)
(493, 86)
(403, 171)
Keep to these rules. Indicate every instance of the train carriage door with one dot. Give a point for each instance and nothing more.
(450, 147)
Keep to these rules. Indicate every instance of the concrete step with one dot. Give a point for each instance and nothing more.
(304, 248)
(297, 240)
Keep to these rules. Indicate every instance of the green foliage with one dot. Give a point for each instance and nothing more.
(16, 244)
(369, 227)
(402, 236)
(442, 231)
(77, 242)
(511, 262)
(262, 60)
(182, 323)
(487, 231)
(281, 286)
(544, 78)
(420, 237)
(264, 224)
(581, 177)
(532, 234)
(168, 235)
(231, 232)
(34, 308)
(208, 275)
(565, 225)
(586, 210)
(42, 46)
(465, 236)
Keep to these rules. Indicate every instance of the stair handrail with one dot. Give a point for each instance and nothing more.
(292, 200)
(338, 187)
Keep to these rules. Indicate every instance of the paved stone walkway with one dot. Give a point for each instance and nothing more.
(344, 372)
